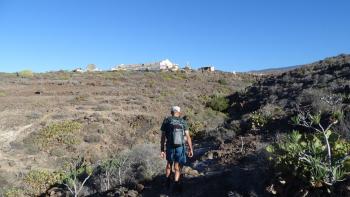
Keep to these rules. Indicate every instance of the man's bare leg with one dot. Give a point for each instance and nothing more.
(168, 174)
(168, 170)
(177, 171)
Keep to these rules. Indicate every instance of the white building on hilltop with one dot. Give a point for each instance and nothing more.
(118, 68)
(207, 68)
(166, 65)
(78, 70)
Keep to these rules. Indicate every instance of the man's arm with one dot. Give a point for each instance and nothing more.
(162, 145)
(189, 142)
(163, 128)
(162, 142)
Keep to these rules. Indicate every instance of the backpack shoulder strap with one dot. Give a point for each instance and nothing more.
(167, 119)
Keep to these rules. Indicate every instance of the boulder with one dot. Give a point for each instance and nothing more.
(139, 187)
(56, 192)
(132, 193)
(190, 171)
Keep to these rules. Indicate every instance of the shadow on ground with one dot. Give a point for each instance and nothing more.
(245, 179)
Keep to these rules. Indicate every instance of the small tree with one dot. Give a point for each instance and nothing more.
(313, 122)
(91, 67)
(25, 74)
(76, 174)
(110, 168)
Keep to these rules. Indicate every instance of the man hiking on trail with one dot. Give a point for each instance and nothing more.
(175, 134)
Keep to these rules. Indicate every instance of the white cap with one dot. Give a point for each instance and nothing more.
(175, 109)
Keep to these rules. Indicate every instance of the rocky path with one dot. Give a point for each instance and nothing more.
(206, 175)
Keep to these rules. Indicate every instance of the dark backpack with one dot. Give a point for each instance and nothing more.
(176, 132)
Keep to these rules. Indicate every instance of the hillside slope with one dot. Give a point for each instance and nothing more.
(51, 117)
(310, 87)
(236, 162)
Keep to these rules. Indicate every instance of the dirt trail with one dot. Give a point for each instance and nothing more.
(15, 160)
(232, 174)
(9, 136)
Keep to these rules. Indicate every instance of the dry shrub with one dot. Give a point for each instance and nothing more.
(319, 100)
(128, 167)
(144, 162)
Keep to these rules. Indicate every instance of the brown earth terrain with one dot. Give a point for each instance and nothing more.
(116, 111)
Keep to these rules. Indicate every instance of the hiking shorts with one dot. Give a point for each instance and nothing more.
(177, 154)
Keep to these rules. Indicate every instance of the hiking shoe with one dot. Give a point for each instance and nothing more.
(168, 182)
(177, 187)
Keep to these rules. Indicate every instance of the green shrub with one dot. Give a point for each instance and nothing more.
(223, 90)
(2, 94)
(222, 82)
(305, 157)
(196, 127)
(346, 98)
(179, 76)
(13, 192)
(26, 74)
(38, 181)
(166, 76)
(319, 159)
(218, 103)
(204, 98)
(258, 119)
(61, 133)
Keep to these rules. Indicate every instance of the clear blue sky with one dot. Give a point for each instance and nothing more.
(44, 35)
